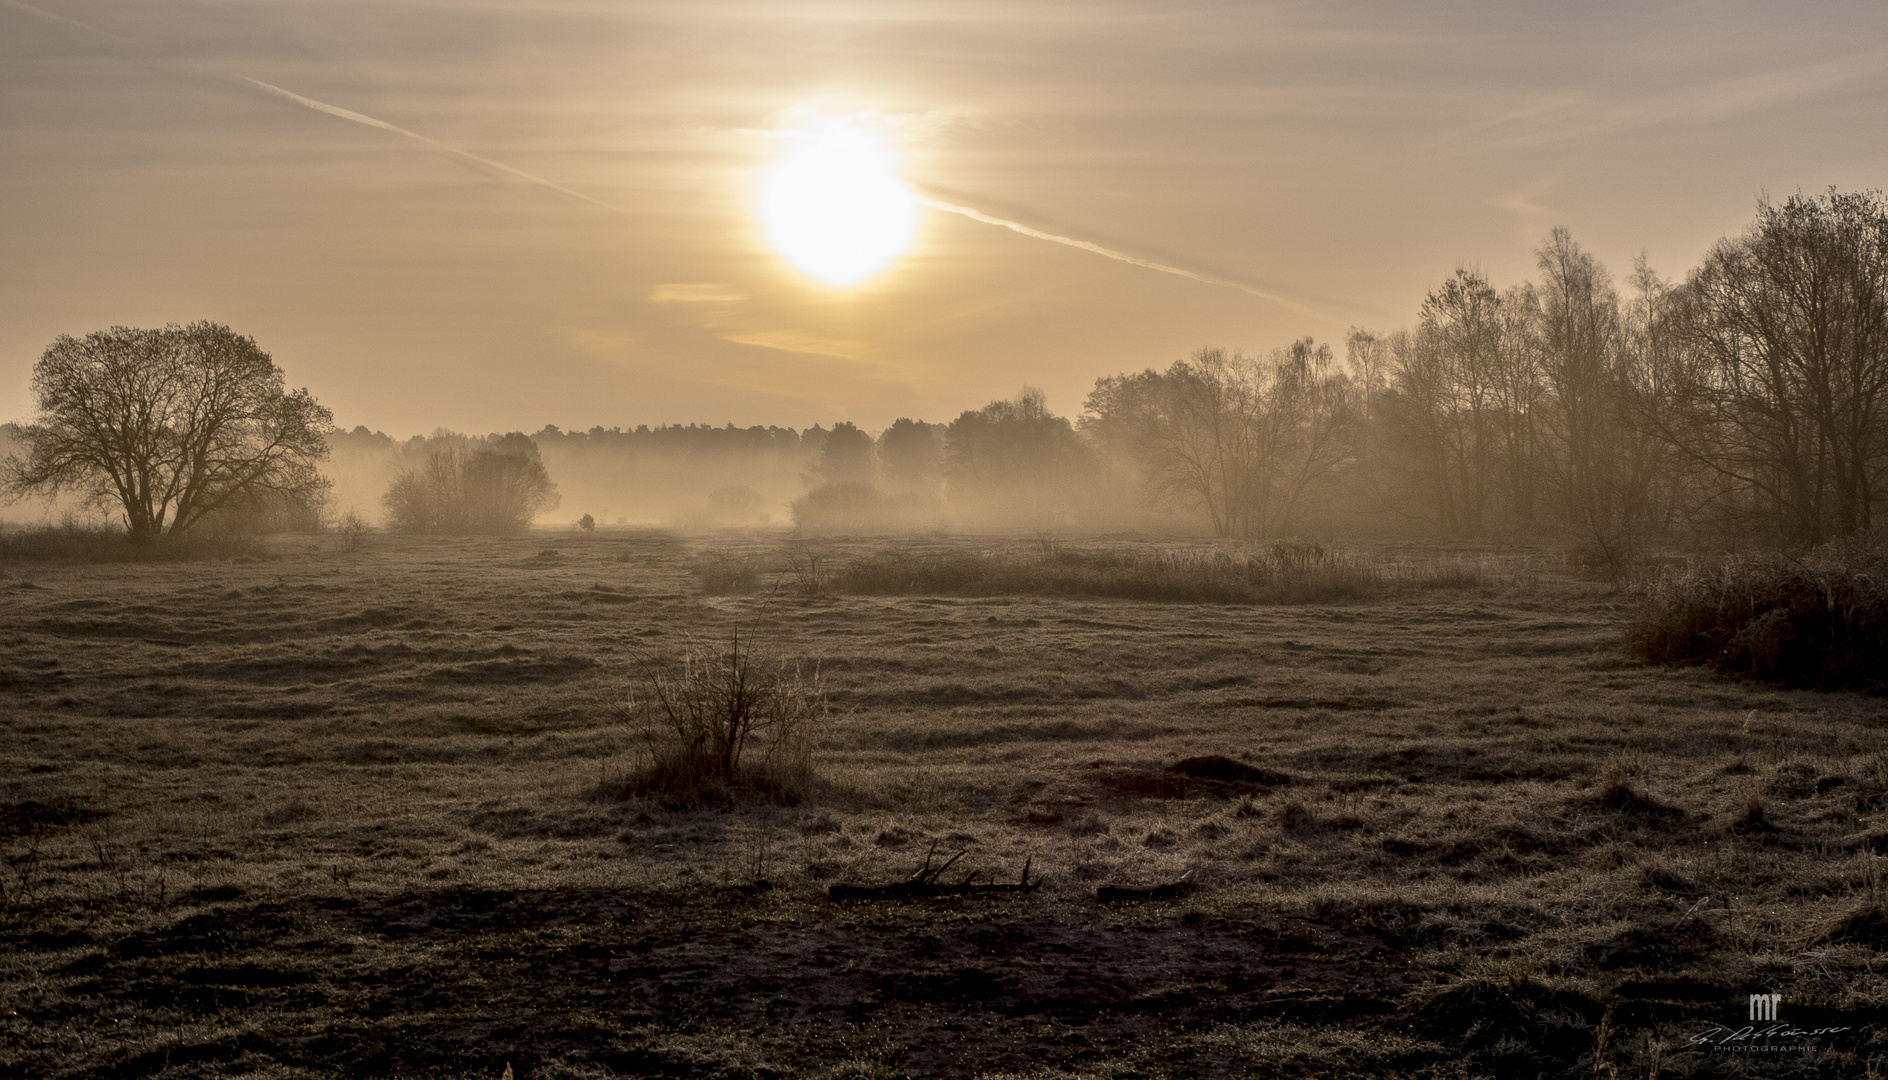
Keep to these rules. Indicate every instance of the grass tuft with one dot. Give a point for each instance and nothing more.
(1754, 820)
(1866, 924)
(1226, 770)
(722, 574)
(1621, 797)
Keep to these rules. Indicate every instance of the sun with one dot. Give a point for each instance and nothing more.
(833, 203)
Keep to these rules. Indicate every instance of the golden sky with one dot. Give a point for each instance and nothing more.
(555, 221)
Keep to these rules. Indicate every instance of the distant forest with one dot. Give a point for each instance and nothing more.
(1745, 401)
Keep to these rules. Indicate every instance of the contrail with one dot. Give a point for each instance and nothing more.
(935, 204)
(358, 118)
(949, 208)
(331, 110)
(1110, 253)
(61, 19)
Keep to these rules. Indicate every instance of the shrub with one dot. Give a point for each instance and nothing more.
(808, 569)
(843, 508)
(862, 508)
(484, 490)
(1815, 621)
(735, 506)
(352, 529)
(721, 723)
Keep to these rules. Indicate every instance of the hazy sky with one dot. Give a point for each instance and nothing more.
(1345, 156)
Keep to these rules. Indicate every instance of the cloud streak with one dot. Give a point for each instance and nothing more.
(936, 204)
(331, 110)
(336, 111)
(361, 118)
(1567, 117)
(1110, 253)
(60, 19)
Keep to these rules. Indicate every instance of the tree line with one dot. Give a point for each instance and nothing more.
(1747, 398)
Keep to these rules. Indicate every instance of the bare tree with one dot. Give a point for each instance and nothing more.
(171, 425)
(1785, 394)
(1662, 485)
(1579, 336)
(1368, 354)
(1310, 410)
(1245, 440)
(1448, 397)
(1183, 427)
(1516, 399)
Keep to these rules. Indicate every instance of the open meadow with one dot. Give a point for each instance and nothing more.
(321, 812)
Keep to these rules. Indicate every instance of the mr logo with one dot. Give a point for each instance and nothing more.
(1764, 1006)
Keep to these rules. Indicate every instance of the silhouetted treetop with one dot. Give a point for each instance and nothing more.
(171, 425)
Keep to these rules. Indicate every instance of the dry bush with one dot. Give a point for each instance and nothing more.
(352, 529)
(808, 569)
(1282, 573)
(1816, 621)
(723, 723)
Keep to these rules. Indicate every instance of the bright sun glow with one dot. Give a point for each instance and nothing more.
(834, 205)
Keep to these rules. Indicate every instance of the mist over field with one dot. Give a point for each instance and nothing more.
(826, 480)
(943, 540)
(1740, 405)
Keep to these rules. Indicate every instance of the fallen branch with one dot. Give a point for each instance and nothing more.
(1173, 890)
(924, 884)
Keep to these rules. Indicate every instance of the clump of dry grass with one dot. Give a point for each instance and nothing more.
(723, 723)
(1815, 621)
(1865, 923)
(724, 574)
(1280, 573)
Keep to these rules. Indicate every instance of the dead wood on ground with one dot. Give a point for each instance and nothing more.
(924, 884)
